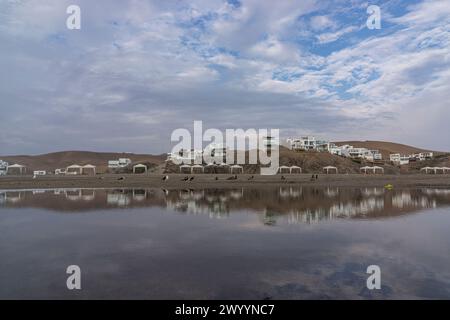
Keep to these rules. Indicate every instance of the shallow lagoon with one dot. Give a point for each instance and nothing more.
(265, 243)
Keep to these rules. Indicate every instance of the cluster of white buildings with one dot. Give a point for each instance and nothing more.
(218, 151)
(120, 163)
(399, 159)
(310, 143)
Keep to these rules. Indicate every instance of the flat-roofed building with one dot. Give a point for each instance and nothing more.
(3, 167)
(119, 163)
(398, 159)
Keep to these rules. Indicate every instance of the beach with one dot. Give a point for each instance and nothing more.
(200, 181)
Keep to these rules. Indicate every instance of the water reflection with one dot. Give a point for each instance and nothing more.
(291, 204)
(146, 243)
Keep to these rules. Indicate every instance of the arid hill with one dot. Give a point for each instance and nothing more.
(52, 161)
(310, 162)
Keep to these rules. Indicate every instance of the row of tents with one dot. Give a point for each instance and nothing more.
(236, 169)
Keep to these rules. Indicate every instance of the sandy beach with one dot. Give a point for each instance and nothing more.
(175, 181)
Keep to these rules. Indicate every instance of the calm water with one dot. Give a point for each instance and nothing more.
(288, 243)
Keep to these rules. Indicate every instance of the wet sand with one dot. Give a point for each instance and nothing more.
(209, 181)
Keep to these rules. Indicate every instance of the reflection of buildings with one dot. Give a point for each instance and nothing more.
(139, 194)
(210, 202)
(118, 199)
(289, 204)
(290, 192)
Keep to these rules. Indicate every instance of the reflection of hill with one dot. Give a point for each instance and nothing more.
(294, 204)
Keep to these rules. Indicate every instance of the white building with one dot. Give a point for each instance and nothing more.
(308, 143)
(186, 156)
(398, 159)
(60, 171)
(215, 150)
(323, 145)
(362, 153)
(3, 167)
(270, 141)
(376, 155)
(120, 163)
(421, 156)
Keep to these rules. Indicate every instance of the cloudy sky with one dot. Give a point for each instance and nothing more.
(139, 69)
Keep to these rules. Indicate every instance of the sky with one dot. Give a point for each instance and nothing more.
(137, 70)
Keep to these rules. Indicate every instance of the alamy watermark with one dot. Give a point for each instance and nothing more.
(74, 280)
(374, 280)
(232, 147)
(73, 21)
(374, 20)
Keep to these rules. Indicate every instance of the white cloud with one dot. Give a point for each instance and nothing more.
(144, 63)
(319, 23)
(333, 36)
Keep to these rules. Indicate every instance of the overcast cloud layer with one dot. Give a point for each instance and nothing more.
(139, 69)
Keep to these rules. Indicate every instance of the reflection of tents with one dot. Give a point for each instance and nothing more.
(88, 194)
(139, 194)
(139, 168)
(327, 169)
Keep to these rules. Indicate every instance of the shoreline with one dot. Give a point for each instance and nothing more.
(205, 181)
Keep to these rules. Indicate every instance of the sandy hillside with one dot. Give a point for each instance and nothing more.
(51, 161)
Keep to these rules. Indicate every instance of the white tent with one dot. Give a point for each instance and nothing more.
(292, 169)
(184, 167)
(237, 168)
(89, 167)
(19, 167)
(284, 169)
(74, 169)
(327, 169)
(196, 167)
